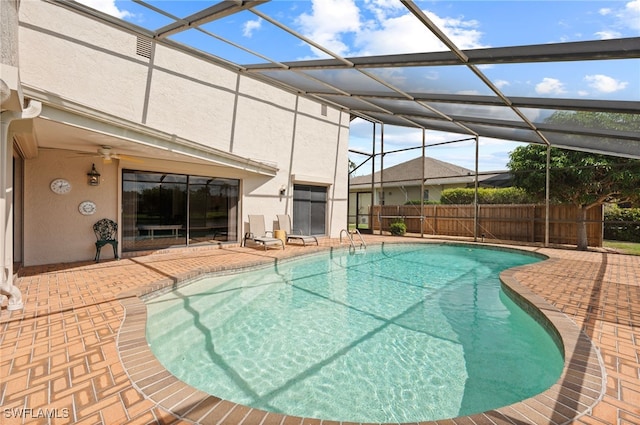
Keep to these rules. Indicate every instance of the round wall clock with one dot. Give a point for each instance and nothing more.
(60, 186)
(87, 208)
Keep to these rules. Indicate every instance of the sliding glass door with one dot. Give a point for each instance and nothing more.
(161, 210)
(213, 206)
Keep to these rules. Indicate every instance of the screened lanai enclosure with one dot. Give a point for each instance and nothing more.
(469, 101)
(397, 86)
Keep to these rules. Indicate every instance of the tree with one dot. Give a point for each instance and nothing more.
(352, 167)
(597, 120)
(581, 178)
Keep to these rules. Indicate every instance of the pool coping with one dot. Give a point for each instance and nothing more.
(579, 388)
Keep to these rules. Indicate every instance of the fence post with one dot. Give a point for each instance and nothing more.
(478, 225)
(435, 219)
(533, 224)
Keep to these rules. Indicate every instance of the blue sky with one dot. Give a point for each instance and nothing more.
(373, 27)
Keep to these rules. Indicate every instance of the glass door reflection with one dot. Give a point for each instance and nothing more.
(162, 210)
(212, 209)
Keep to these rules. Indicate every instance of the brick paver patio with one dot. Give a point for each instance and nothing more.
(75, 353)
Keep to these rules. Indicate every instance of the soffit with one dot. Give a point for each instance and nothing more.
(84, 133)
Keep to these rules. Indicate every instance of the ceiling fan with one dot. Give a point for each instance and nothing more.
(107, 154)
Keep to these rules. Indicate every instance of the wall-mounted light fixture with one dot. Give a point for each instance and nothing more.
(93, 177)
(283, 190)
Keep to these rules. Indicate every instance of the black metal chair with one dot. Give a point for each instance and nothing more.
(106, 232)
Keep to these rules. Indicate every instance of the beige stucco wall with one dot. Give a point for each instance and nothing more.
(398, 196)
(71, 57)
(92, 65)
(55, 231)
(191, 98)
(8, 33)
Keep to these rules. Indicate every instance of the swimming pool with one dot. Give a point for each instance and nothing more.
(402, 333)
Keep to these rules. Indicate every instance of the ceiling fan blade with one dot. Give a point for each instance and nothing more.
(84, 155)
(107, 155)
(128, 158)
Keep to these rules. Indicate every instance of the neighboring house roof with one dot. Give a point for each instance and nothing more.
(409, 173)
(498, 179)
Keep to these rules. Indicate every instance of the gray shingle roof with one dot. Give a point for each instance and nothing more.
(410, 173)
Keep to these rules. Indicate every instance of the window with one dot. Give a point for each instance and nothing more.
(309, 209)
(161, 210)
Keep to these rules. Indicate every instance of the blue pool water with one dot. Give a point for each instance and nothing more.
(401, 333)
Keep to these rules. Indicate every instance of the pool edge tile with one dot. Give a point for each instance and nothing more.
(582, 359)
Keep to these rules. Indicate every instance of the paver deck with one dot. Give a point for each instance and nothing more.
(76, 354)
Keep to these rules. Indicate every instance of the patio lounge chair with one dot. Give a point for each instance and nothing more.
(258, 233)
(284, 222)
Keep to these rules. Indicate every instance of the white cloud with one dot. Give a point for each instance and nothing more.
(630, 15)
(381, 27)
(382, 9)
(608, 34)
(401, 34)
(604, 83)
(432, 75)
(550, 86)
(107, 6)
(501, 83)
(250, 26)
(620, 20)
(328, 21)
(405, 34)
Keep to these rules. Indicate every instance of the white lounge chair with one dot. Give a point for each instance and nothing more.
(258, 234)
(284, 222)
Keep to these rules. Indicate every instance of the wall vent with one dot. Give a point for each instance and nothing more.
(143, 47)
(323, 110)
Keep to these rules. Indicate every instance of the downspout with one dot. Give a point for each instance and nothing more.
(6, 203)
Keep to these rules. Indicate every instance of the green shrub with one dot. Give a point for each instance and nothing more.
(486, 195)
(398, 228)
(457, 196)
(622, 224)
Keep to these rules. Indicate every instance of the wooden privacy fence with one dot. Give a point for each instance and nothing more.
(524, 223)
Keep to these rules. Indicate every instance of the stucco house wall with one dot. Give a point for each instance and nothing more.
(71, 57)
(55, 231)
(395, 195)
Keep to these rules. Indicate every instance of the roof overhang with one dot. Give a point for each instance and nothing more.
(96, 129)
